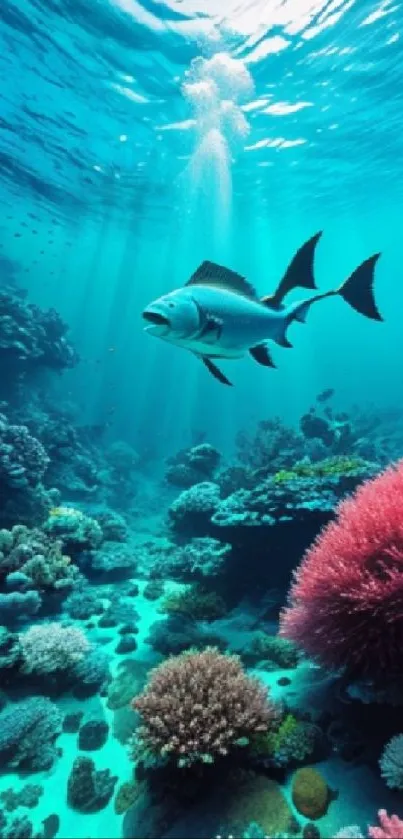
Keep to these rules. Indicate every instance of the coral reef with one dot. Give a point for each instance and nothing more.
(345, 602)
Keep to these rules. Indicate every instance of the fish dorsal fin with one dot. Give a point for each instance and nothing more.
(299, 274)
(209, 273)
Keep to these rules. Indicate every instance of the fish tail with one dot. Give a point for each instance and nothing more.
(358, 289)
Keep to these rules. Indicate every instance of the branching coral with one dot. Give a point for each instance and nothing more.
(346, 602)
(391, 827)
(49, 647)
(391, 762)
(197, 707)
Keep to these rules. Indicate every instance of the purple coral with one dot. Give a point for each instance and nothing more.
(199, 706)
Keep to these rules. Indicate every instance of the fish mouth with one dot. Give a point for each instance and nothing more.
(155, 318)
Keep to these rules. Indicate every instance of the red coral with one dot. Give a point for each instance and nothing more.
(346, 602)
(199, 705)
(391, 827)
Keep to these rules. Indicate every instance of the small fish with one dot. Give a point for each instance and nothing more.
(219, 315)
(325, 395)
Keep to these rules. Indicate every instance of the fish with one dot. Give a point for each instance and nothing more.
(218, 314)
(325, 395)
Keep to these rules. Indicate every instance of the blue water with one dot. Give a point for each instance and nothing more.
(138, 139)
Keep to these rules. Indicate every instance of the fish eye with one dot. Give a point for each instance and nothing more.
(171, 305)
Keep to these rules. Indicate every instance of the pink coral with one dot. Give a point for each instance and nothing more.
(391, 827)
(199, 705)
(346, 602)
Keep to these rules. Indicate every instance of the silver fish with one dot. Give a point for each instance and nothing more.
(218, 314)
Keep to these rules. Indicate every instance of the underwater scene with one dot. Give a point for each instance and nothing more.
(201, 419)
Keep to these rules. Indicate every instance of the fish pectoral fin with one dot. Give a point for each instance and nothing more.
(211, 330)
(215, 371)
(261, 354)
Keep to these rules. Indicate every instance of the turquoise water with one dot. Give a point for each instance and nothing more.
(97, 132)
(138, 139)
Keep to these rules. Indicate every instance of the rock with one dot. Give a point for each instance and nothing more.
(128, 629)
(72, 722)
(310, 831)
(127, 644)
(107, 621)
(89, 789)
(50, 826)
(93, 735)
(283, 681)
(153, 590)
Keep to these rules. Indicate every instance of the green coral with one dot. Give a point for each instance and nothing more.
(38, 556)
(75, 529)
(280, 651)
(55, 571)
(194, 603)
(292, 742)
(331, 467)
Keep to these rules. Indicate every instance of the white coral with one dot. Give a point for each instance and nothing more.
(51, 646)
(391, 762)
